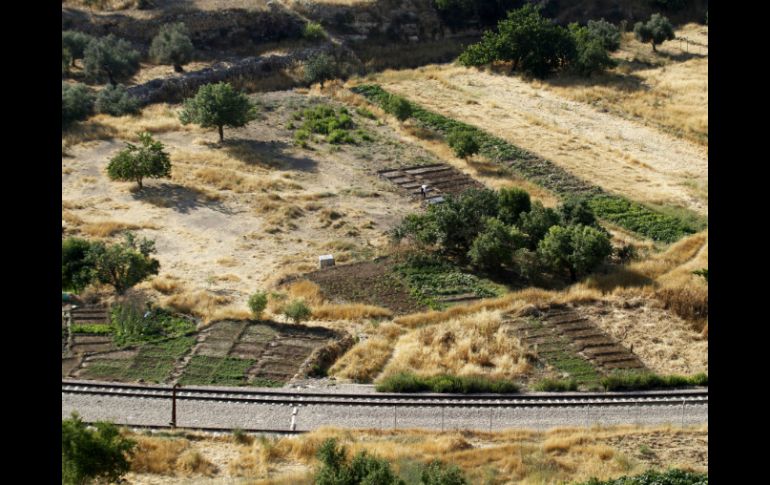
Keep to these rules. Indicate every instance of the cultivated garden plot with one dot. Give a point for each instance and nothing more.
(439, 179)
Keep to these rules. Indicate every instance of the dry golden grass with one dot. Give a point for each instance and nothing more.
(106, 229)
(201, 303)
(352, 311)
(366, 359)
(167, 284)
(675, 94)
(191, 462)
(155, 118)
(471, 345)
(157, 455)
(523, 456)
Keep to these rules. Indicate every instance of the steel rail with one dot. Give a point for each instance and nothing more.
(398, 400)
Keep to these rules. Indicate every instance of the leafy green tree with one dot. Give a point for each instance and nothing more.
(512, 203)
(321, 68)
(438, 473)
(257, 304)
(75, 42)
(88, 454)
(495, 245)
(575, 210)
(297, 310)
(363, 469)
(655, 31)
(536, 223)
(421, 228)
(578, 249)
(137, 162)
(77, 102)
(463, 143)
(533, 43)
(398, 107)
(172, 46)
(217, 105)
(606, 32)
(460, 218)
(115, 101)
(76, 270)
(125, 264)
(110, 58)
(590, 54)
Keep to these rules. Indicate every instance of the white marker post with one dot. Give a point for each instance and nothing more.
(293, 426)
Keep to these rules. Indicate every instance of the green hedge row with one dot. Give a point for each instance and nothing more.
(618, 210)
(634, 381)
(408, 382)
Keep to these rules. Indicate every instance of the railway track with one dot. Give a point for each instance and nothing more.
(647, 398)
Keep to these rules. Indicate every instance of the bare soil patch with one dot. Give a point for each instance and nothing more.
(372, 282)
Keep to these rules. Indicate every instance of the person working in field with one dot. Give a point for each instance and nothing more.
(423, 190)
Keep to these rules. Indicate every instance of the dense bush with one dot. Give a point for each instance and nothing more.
(463, 143)
(89, 454)
(578, 249)
(172, 46)
(575, 210)
(606, 32)
(77, 102)
(76, 270)
(438, 473)
(557, 385)
(591, 55)
(110, 58)
(363, 469)
(655, 31)
(217, 105)
(409, 382)
(459, 219)
(313, 31)
(537, 222)
(320, 68)
(323, 119)
(125, 264)
(257, 304)
(115, 101)
(630, 381)
(297, 310)
(136, 162)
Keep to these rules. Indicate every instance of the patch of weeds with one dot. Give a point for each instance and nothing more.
(93, 328)
(628, 381)
(335, 125)
(361, 111)
(430, 278)
(672, 476)
(556, 385)
(224, 371)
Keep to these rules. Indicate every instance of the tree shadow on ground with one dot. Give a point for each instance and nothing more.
(265, 154)
(181, 199)
(625, 82)
(682, 56)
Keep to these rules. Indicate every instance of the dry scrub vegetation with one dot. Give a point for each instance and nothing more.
(512, 456)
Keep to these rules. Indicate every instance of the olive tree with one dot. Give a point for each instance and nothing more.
(217, 105)
(578, 249)
(172, 46)
(606, 32)
(655, 31)
(77, 102)
(110, 58)
(320, 68)
(149, 160)
(75, 42)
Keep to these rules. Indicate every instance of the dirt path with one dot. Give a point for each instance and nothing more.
(620, 155)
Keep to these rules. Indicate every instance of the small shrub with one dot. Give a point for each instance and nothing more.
(115, 101)
(340, 136)
(361, 111)
(297, 310)
(77, 102)
(556, 385)
(134, 163)
(172, 46)
(321, 68)
(463, 143)
(362, 469)
(438, 473)
(313, 31)
(257, 304)
(398, 107)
